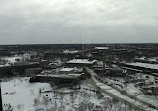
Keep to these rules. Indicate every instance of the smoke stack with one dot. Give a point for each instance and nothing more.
(82, 44)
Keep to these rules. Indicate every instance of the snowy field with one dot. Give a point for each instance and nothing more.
(25, 96)
(20, 93)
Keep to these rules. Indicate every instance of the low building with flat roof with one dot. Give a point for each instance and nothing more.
(81, 62)
(67, 70)
(57, 79)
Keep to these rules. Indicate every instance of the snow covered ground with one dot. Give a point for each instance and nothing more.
(71, 51)
(121, 96)
(25, 96)
(12, 59)
(150, 99)
(132, 90)
(20, 93)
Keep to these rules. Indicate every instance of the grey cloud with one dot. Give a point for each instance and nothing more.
(62, 21)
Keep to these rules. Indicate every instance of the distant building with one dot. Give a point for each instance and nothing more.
(102, 48)
(143, 67)
(113, 72)
(57, 79)
(4, 52)
(16, 69)
(44, 63)
(81, 62)
(31, 71)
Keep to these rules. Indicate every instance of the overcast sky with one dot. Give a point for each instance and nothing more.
(63, 21)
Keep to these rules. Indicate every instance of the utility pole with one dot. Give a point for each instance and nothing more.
(1, 107)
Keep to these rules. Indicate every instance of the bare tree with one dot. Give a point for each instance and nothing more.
(35, 101)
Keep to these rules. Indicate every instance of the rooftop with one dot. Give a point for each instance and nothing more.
(71, 76)
(102, 48)
(67, 69)
(81, 61)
